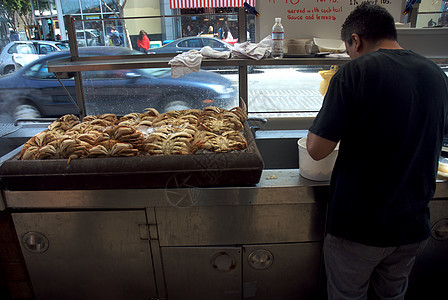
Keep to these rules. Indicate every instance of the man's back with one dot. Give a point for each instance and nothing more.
(389, 107)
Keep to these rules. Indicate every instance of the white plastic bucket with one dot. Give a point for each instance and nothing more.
(312, 169)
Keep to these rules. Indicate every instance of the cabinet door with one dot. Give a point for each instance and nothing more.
(202, 272)
(281, 271)
(429, 276)
(86, 255)
(240, 225)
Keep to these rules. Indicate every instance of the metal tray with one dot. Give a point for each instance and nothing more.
(240, 168)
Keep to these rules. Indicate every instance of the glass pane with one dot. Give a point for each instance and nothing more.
(70, 7)
(276, 91)
(52, 6)
(90, 6)
(43, 73)
(193, 43)
(213, 44)
(44, 49)
(432, 14)
(89, 33)
(63, 45)
(109, 6)
(114, 32)
(26, 49)
(125, 91)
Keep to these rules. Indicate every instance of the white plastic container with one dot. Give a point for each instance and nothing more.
(312, 169)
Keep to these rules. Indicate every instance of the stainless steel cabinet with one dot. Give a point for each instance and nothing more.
(87, 255)
(281, 271)
(429, 277)
(202, 272)
(240, 224)
(262, 272)
(276, 251)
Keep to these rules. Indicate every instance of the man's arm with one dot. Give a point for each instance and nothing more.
(319, 147)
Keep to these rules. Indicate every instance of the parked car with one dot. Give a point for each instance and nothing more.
(88, 37)
(34, 92)
(192, 42)
(19, 53)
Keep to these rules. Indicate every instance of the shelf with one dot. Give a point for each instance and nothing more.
(153, 61)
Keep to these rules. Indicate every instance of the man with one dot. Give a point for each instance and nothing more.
(13, 36)
(388, 109)
(115, 37)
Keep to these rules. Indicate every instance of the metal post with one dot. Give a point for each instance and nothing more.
(69, 22)
(242, 70)
(61, 19)
(32, 11)
(413, 15)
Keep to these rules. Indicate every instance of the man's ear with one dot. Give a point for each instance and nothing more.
(356, 40)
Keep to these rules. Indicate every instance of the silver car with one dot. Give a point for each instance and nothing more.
(192, 42)
(20, 53)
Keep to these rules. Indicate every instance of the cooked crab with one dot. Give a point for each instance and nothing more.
(240, 113)
(101, 120)
(219, 122)
(166, 143)
(194, 112)
(134, 117)
(125, 134)
(64, 123)
(91, 138)
(30, 148)
(228, 141)
(150, 112)
(45, 146)
(111, 148)
(29, 153)
(63, 147)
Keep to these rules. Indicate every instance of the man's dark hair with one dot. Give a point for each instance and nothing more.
(371, 22)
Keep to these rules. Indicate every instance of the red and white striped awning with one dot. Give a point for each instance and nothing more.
(209, 3)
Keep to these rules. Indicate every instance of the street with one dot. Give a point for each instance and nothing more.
(282, 90)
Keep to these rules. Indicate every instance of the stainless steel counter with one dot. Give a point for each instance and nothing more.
(275, 187)
(254, 242)
(280, 186)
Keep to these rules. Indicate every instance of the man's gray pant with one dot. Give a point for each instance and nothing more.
(353, 268)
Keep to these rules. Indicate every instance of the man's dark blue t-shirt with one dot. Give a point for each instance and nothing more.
(388, 109)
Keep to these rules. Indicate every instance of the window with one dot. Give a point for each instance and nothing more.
(22, 48)
(90, 6)
(70, 7)
(40, 71)
(44, 49)
(62, 46)
(214, 44)
(191, 43)
(432, 14)
(26, 49)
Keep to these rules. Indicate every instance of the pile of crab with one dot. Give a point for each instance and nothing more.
(190, 131)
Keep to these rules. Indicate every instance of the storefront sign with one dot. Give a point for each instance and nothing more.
(313, 18)
(208, 3)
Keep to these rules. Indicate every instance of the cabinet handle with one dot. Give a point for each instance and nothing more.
(35, 242)
(440, 230)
